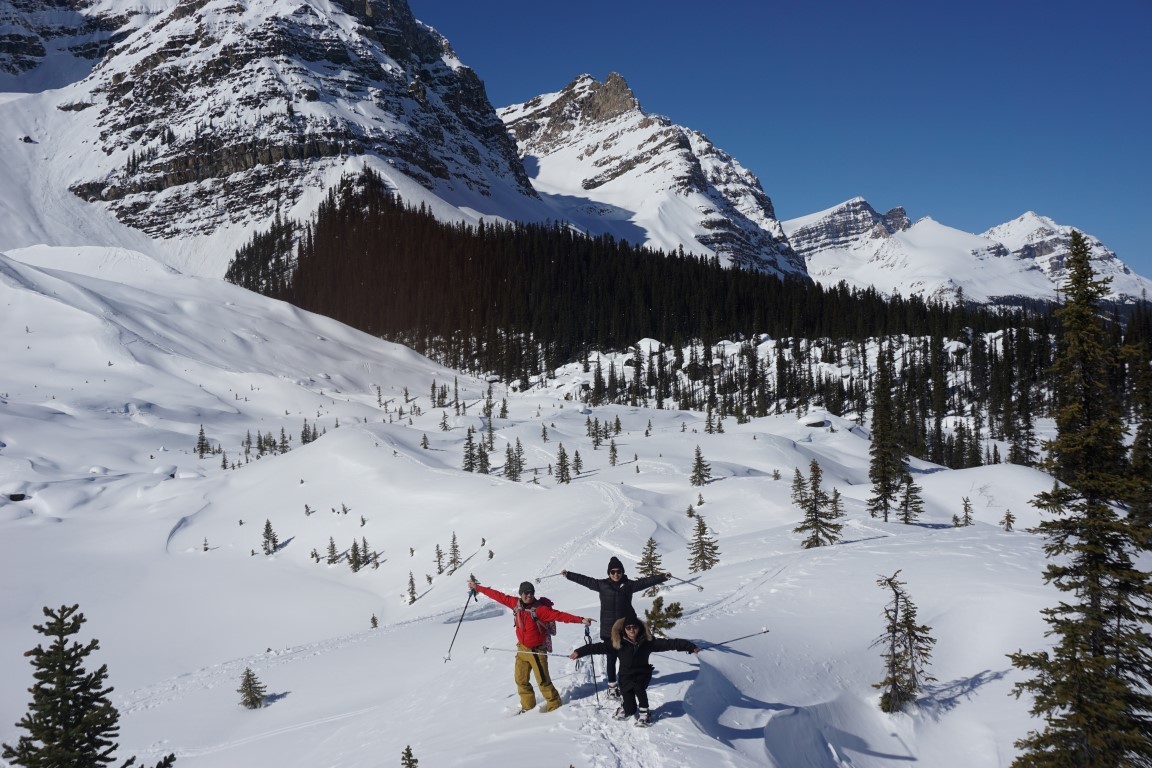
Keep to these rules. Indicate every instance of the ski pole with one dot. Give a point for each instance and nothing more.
(549, 576)
(471, 596)
(725, 642)
(682, 581)
(529, 653)
(591, 659)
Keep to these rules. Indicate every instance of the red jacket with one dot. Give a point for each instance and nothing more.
(528, 632)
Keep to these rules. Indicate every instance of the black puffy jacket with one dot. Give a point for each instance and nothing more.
(615, 597)
(635, 669)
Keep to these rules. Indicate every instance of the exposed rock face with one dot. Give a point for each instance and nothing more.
(216, 112)
(592, 141)
(34, 31)
(1038, 242)
(844, 224)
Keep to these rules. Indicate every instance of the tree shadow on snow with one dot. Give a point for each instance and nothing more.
(946, 696)
(485, 610)
(272, 698)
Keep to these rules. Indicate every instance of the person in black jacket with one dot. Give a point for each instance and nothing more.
(615, 603)
(632, 641)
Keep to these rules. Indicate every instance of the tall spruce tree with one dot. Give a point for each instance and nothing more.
(1094, 687)
(650, 565)
(70, 720)
(251, 690)
(911, 502)
(703, 550)
(907, 648)
(701, 471)
(270, 541)
(819, 513)
(886, 464)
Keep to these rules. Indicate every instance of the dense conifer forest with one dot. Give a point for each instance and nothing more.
(519, 300)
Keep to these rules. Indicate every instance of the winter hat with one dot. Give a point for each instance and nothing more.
(614, 564)
(526, 588)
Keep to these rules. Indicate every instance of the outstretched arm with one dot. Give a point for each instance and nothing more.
(499, 597)
(640, 585)
(588, 650)
(676, 644)
(545, 613)
(581, 579)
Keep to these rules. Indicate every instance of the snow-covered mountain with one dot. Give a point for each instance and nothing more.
(608, 166)
(1023, 259)
(200, 119)
(178, 127)
(114, 364)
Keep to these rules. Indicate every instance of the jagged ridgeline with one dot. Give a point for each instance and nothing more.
(515, 299)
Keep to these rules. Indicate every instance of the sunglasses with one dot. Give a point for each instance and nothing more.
(615, 573)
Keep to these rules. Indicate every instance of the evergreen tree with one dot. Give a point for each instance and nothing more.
(819, 521)
(966, 510)
(333, 555)
(661, 619)
(202, 446)
(411, 588)
(354, 561)
(70, 720)
(563, 470)
(438, 556)
(1008, 520)
(454, 560)
(703, 550)
(911, 503)
(886, 465)
(1140, 461)
(424, 441)
(907, 649)
(1093, 688)
(613, 454)
(270, 541)
(470, 450)
(650, 565)
(407, 759)
(701, 472)
(577, 462)
(251, 690)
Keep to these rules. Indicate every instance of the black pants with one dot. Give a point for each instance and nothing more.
(631, 697)
(610, 663)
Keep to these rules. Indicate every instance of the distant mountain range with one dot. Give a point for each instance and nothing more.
(179, 127)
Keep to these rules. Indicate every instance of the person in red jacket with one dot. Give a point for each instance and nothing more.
(529, 617)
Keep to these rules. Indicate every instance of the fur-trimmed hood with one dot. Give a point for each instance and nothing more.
(618, 633)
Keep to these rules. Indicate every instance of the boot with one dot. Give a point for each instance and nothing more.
(614, 691)
(643, 719)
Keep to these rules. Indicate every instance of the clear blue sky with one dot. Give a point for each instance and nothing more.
(971, 113)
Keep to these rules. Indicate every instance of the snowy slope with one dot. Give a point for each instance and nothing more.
(114, 363)
(1023, 258)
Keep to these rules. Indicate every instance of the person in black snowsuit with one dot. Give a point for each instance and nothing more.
(632, 641)
(615, 603)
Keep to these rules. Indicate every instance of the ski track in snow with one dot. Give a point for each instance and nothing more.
(619, 507)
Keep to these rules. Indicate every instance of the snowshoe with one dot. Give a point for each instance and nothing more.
(643, 719)
(614, 691)
(619, 714)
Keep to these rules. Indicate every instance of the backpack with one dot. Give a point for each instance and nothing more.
(547, 628)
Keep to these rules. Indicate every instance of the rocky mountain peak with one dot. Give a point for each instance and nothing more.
(590, 147)
(843, 224)
(604, 101)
